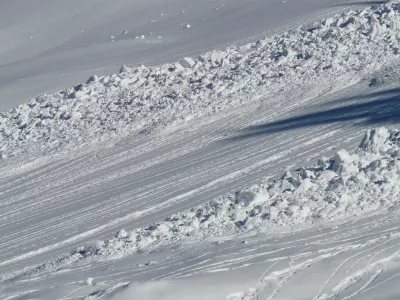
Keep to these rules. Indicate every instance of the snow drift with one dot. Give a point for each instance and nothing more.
(307, 61)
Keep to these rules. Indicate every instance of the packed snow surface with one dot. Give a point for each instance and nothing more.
(336, 51)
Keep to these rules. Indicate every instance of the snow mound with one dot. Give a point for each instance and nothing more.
(350, 184)
(307, 61)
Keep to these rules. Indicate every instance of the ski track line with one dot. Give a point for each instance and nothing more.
(131, 215)
(305, 136)
(341, 265)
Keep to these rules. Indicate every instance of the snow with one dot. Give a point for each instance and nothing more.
(143, 99)
(212, 171)
(227, 265)
(348, 185)
(356, 258)
(188, 62)
(49, 45)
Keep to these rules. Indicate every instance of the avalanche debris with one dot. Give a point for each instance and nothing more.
(348, 185)
(339, 49)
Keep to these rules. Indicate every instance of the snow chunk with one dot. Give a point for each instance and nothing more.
(124, 69)
(375, 138)
(344, 163)
(326, 176)
(304, 186)
(93, 78)
(122, 234)
(188, 62)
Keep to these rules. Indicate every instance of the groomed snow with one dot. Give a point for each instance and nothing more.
(327, 55)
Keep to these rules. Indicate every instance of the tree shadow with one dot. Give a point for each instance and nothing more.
(384, 107)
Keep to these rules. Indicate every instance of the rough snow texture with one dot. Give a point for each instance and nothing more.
(350, 184)
(137, 100)
(346, 185)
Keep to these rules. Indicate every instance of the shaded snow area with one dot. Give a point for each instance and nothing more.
(308, 61)
(349, 184)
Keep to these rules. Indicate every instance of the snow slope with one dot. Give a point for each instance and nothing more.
(346, 185)
(47, 45)
(302, 265)
(332, 53)
(350, 258)
(49, 209)
(265, 240)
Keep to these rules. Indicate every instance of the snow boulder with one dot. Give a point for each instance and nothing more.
(344, 163)
(326, 176)
(91, 248)
(244, 198)
(374, 139)
(304, 186)
(187, 62)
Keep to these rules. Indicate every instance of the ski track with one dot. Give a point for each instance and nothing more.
(65, 182)
(142, 183)
(288, 255)
(50, 207)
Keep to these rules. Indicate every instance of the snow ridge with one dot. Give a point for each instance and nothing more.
(313, 59)
(350, 184)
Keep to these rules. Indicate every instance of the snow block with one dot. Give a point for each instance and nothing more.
(374, 139)
(178, 67)
(188, 62)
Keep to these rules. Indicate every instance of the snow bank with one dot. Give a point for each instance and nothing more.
(350, 184)
(307, 61)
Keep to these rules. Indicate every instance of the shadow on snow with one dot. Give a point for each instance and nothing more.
(381, 108)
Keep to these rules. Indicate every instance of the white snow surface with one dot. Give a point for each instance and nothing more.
(201, 219)
(329, 54)
(348, 185)
(47, 45)
(253, 240)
